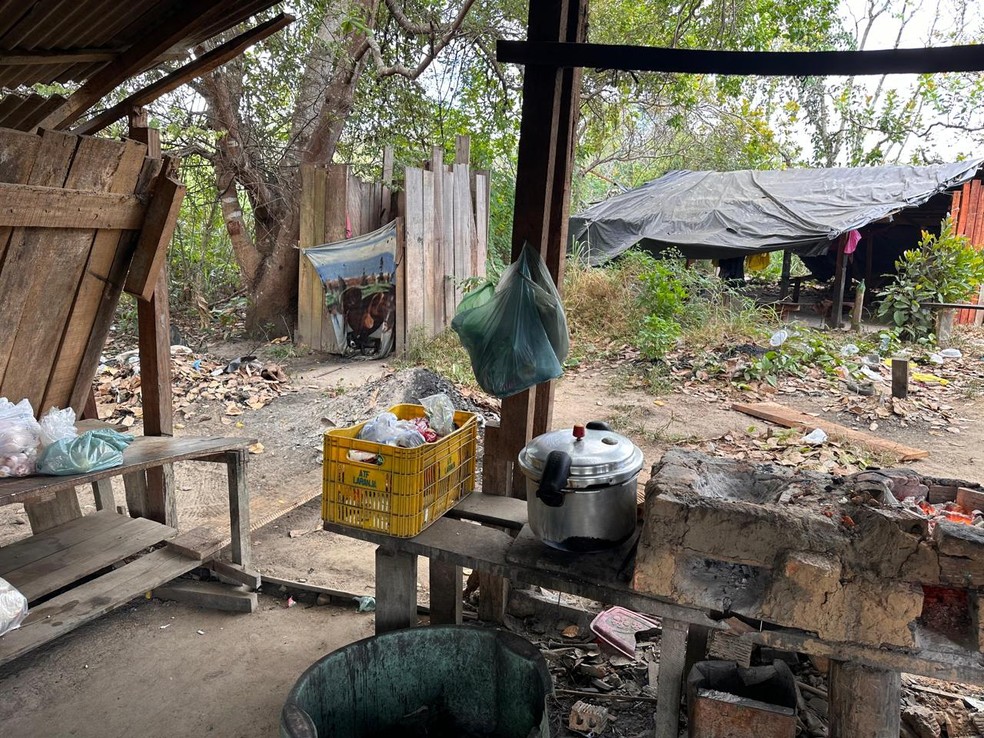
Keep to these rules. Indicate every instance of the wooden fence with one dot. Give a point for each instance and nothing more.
(442, 213)
(968, 211)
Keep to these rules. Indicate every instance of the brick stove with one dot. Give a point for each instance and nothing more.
(852, 559)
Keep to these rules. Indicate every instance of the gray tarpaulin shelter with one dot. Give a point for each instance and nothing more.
(712, 215)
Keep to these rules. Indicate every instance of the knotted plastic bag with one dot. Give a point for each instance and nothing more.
(13, 607)
(19, 438)
(516, 336)
(94, 450)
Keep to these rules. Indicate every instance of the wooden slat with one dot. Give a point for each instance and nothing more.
(331, 210)
(111, 291)
(401, 276)
(306, 273)
(28, 550)
(464, 228)
(481, 224)
(86, 602)
(58, 263)
(86, 305)
(447, 246)
(492, 509)
(413, 222)
(428, 247)
(155, 237)
(438, 270)
(145, 452)
(24, 206)
(19, 151)
(50, 167)
(73, 562)
(790, 418)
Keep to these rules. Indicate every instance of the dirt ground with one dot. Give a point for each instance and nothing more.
(127, 675)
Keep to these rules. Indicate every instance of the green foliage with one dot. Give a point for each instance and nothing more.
(944, 268)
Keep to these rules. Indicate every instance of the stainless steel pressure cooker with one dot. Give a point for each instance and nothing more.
(581, 487)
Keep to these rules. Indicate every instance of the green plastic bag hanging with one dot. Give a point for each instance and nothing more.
(92, 451)
(516, 336)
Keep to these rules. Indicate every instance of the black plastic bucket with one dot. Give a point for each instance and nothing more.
(452, 680)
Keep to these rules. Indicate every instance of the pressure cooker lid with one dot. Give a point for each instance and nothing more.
(597, 456)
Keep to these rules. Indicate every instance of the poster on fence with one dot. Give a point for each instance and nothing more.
(359, 280)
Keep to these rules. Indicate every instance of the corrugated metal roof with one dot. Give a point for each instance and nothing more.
(24, 112)
(47, 41)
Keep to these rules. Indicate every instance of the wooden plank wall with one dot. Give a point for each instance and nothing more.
(53, 280)
(443, 237)
(968, 209)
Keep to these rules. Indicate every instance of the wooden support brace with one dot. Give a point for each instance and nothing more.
(211, 595)
(493, 591)
(102, 491)
(669, 688)
(235, 573)
(900, 378)
(445, 593)
(239, 508)
(396, 590)
(864, 702)
(155, 236)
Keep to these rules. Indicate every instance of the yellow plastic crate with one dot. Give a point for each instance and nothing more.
(405, 489)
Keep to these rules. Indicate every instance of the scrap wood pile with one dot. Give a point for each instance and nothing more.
(616, 694)
(244, 383)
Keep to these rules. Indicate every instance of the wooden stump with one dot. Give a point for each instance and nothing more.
(864, 702)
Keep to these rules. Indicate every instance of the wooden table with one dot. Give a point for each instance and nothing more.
(50, 561)
(455, 541)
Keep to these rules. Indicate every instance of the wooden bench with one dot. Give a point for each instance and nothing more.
(455, 541)
(78, 570)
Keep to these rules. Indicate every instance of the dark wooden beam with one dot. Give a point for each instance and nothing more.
(33, 57)
(761, 63)
(202, 65)
(542, 191)
(187, 16)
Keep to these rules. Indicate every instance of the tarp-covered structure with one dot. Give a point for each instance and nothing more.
(716, 215)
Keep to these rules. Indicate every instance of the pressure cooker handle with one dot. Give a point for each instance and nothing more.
(554, 479)
(598, 425)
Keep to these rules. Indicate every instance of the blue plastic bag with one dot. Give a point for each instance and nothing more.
(94, 450)
(516, 336)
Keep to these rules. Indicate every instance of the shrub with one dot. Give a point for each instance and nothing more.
(944, 268)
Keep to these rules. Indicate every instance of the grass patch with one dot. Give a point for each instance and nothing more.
(443, 355)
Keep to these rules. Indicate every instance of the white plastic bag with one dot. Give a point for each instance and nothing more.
(13, 607)
(57, 425)
(19, 438)
(440, 413)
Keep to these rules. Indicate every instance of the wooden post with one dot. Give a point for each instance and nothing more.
(858, 310)
(669, 688)
(900, 378)
(446, 585)
(239, 507)
(787, 263)
(493, 597)
(154, 327)
(543, 176)
(864, 702)
(396, 590)
(840, 273)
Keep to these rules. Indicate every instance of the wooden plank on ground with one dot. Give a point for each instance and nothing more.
(54, 156)
(86, 305)
(71, 563)
(413, 223)
(790, 418)
(86, 602)
(211, 595)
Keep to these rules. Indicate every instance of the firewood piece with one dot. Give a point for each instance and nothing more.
(970, 499)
